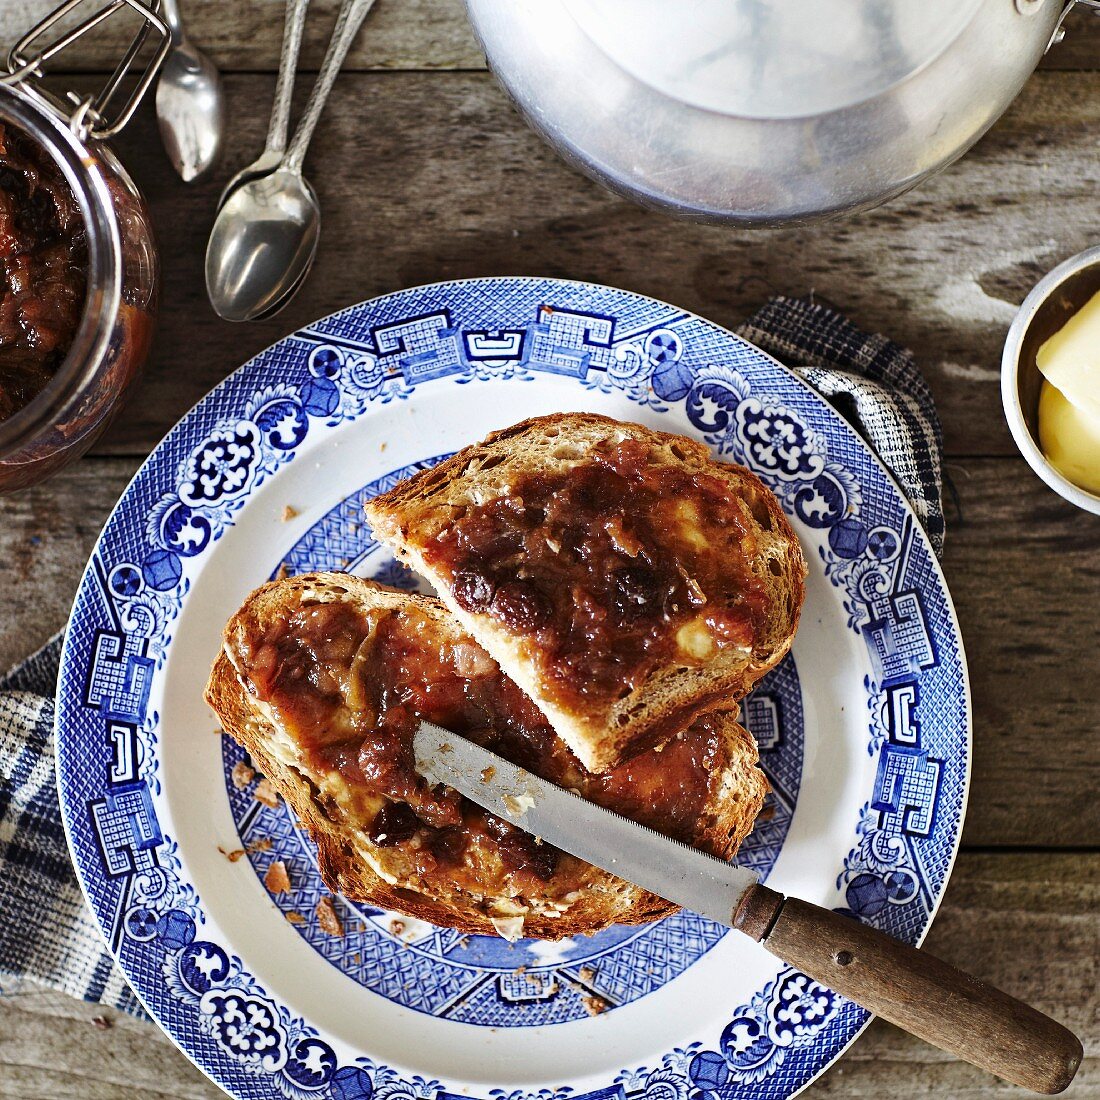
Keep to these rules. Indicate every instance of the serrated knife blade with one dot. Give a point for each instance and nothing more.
(915, 990)
(671, 870)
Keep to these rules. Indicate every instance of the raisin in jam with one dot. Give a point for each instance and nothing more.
(44, 257)
(351, 688)
(610, 568)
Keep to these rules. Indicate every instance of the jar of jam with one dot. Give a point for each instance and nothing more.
(79, 272)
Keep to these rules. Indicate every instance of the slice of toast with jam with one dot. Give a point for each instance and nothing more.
(323, 679)
(621, 576)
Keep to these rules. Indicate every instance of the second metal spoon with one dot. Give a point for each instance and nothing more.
(265, 236)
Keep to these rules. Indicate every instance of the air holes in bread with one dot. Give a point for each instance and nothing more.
(760, 512)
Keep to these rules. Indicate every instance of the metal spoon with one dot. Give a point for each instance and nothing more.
(190, 103)
(275, 147)
(265, 236)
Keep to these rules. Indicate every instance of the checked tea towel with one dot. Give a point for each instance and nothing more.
(48, 935)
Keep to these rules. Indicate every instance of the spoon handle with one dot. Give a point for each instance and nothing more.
(170, 13)
(348, 22)
(288, 64)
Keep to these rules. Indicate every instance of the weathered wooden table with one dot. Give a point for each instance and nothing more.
(424, 173)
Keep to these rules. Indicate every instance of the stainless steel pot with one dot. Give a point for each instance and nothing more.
(764, 112)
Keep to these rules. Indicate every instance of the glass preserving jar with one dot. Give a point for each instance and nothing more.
(76, 391)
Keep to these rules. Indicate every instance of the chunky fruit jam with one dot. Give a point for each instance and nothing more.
(608, 569)
(43, 254)
(350, 688)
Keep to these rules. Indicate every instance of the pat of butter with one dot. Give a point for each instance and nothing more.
(1070, 359)
(695, 639)
(1070, 439)
(1069, 402)
(690, 531)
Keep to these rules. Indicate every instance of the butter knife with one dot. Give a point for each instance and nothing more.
(912, 989)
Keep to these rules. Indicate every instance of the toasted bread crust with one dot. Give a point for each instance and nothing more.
(410, 515)
(736, 794)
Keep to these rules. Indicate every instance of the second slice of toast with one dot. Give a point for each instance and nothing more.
(621, 576)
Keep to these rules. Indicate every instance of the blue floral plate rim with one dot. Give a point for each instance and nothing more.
(306, 1064)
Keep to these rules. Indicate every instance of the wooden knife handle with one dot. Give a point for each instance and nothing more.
(915, 990)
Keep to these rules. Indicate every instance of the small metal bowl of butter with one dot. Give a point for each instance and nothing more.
(1050, 379)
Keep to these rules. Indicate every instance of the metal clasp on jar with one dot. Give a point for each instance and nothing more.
(91, 116)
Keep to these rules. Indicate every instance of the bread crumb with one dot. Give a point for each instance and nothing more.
(488, 773)
(294, 916)
(242, 775)
(397, 927)
(594, 1004)
(232, 856)
(586, 973)
(282, 572)
(517, 807)
(357, 958)
(289, 513)
(260, 844)
(508, 928)
(265, 792)
(219, 732)
(521, 970)
(102, 1023)
(382, 445)
(328, 919)
(276, 879)
(464, 941)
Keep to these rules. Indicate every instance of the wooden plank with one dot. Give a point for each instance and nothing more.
(246, 35)
(1024, 571)
(1024, 568)
(1027, 923)
(424, 177)
(400, 34)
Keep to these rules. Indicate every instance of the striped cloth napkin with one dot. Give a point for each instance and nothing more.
(47, 933)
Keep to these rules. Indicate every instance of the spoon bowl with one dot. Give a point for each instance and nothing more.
(262, 246)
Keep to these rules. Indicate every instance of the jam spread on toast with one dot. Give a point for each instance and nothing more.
(609, 569)
(43, 261)
(350, 687)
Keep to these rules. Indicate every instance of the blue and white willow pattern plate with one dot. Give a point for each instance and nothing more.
(864, 730)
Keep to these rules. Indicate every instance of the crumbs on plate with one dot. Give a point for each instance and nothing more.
(265, 792)
(276, 878)
(328, 918)
(242, 775)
